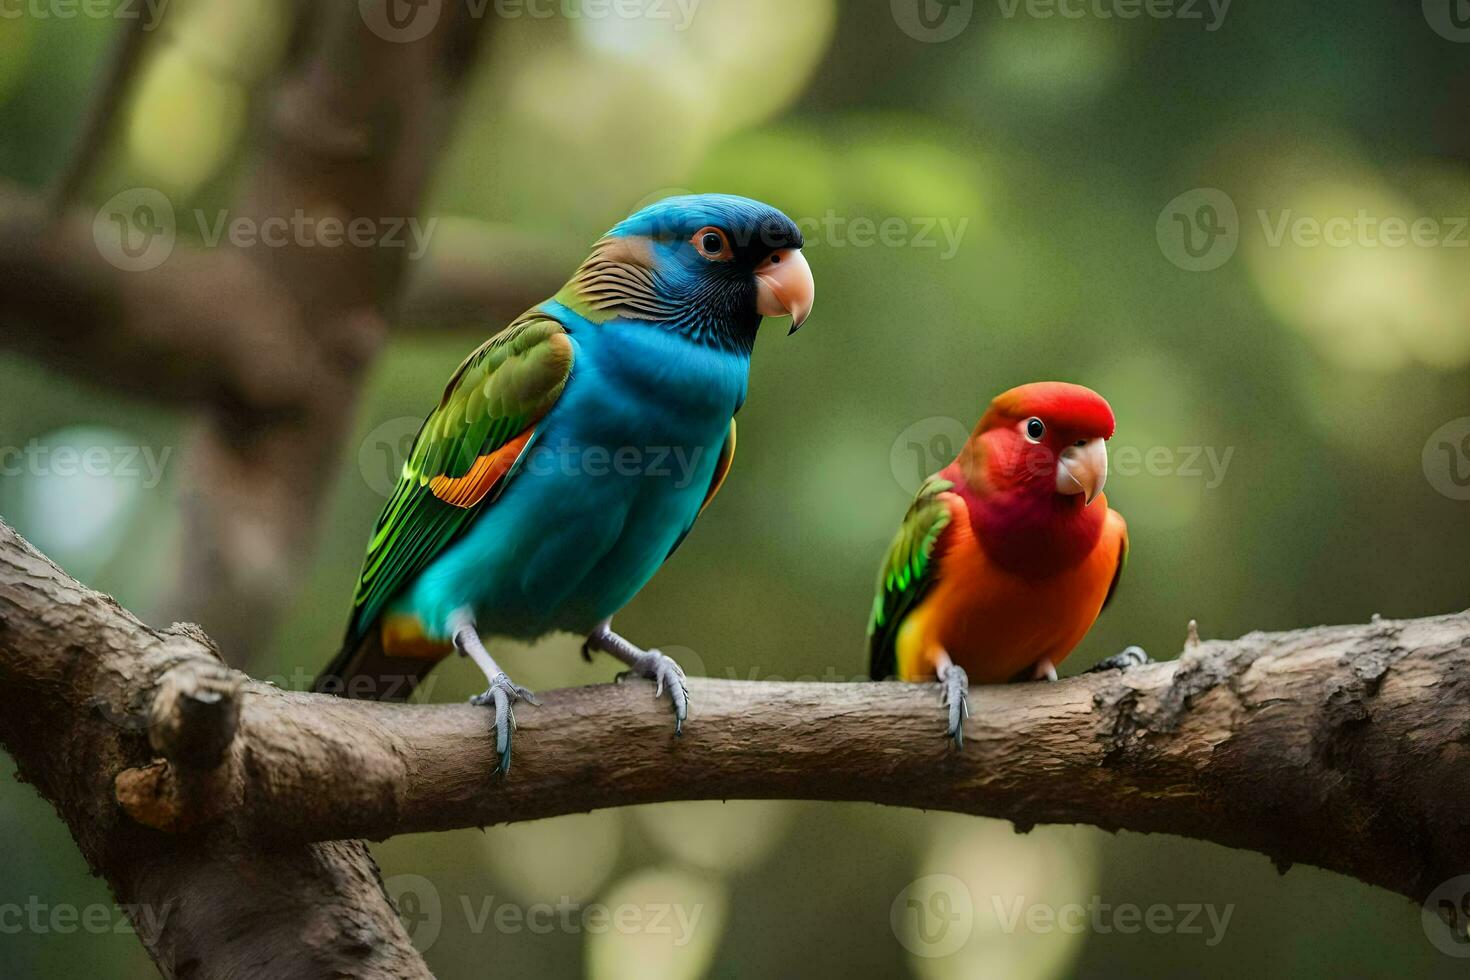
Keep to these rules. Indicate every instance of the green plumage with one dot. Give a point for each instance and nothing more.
(905, 575)
(500, 390)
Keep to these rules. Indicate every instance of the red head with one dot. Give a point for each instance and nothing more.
(1033, 473)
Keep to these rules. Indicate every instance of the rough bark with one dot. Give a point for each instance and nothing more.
(205, 796)
(87, 688)
(1342, 747)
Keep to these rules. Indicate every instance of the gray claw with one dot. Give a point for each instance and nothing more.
(666, 673)
(1131, 657)
(954, 693)
(502, 695)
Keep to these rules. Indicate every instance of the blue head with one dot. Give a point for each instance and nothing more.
(709, 266)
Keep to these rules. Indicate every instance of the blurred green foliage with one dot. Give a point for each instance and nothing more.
(1049, 147)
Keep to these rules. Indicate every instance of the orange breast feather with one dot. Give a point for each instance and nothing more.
(994, 623)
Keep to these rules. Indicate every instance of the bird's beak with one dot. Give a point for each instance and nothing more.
(1083, 469)
(785, 287)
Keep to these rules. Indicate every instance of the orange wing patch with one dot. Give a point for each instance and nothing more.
(722, 468)
(403, 636)
(468, 490)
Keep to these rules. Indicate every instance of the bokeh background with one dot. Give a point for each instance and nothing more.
(1295, 410)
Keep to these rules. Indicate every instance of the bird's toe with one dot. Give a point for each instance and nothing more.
(1134, 656)
(502, 696)
(954, 694)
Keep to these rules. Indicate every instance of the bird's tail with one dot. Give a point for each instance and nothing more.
(365, 671)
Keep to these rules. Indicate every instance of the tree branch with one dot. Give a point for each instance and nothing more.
(81, 679)
(205, 328)
(1333, 746)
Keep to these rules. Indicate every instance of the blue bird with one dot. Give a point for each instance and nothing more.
(572, 453)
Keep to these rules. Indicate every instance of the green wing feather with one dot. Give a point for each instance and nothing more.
(907, 573)
(501, 390)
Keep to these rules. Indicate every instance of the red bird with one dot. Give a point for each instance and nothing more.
(1008, 554)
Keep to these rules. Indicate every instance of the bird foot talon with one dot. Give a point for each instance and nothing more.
(1131, 657)
(666, 675)
(954, 694)
(502, 695)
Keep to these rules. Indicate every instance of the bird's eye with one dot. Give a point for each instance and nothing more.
(1035, 429)
(712, 244)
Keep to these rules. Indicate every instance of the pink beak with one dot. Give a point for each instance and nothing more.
(786, 287)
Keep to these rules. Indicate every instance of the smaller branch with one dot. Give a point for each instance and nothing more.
(195, 714)
(192, 724)
(202, 328)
